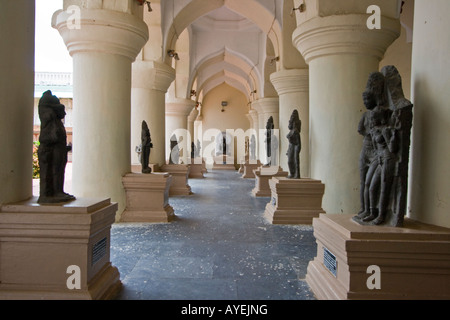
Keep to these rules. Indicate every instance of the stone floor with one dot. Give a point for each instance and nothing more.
(219, 248)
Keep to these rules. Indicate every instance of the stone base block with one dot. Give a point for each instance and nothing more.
(223, 163)
(137, 168)
(377, 262)
(262, 176)
(46, 251)
(196, 170)
(180, 178)
(147, 198)
(294, 201)
(248, 169)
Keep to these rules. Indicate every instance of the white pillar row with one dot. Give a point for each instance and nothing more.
(16, 105)
(177, 112)
(293, 90)
(266, 107)
(341, 52)
(150, 82)
(103, 49)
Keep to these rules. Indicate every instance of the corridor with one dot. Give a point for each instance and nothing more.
(219, 248)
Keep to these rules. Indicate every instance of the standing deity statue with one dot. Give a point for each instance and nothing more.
(253, 147)
(386, 128)
(53, 149)
(174, 150)
(146, 146)
(269, 135)
(295, 145)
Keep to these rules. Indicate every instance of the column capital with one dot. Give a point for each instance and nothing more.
(290, 80)
(266, 105)
(152, 75)
(344, 34)
(180, 107)
(193, 115)
(102, 31)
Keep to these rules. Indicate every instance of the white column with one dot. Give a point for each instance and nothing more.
(150, 82)
(341, 52)
(293, 91)
(430, 150)
(191, 127)
(177, 112)
(16, 103)
(266, 108)
(103, 49)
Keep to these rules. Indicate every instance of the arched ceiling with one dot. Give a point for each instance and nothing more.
(228, 40)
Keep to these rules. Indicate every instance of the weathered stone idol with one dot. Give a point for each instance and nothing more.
(269, 135)
(146, 145)
(174, 150)
(253, 147)
(53, 149)
(295, 145)
(386, 128)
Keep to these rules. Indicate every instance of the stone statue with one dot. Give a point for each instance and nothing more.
(198, 149)
(386, 128)
(146, 146)
(253, 147)
(269, 133)
(174, 150)
(53, 149)
(192, 150)
(295, 145)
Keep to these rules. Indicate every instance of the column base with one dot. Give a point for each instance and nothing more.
(40, 242)
(248, 169)
(196, 170)
(413, 261)
(180, 178)
(262, 176)
(294, 201)
(147, 198)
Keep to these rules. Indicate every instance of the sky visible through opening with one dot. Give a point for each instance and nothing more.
(51, 53)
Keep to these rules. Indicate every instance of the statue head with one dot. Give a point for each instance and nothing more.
(374, 94)
(48, 100)
(294, 121)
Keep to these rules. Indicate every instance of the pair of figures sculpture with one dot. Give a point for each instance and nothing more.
(52, 151)
(383, 164)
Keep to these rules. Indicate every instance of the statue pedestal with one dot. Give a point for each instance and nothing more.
(413, 261)
(223, 163)
(180, 178)
(262, 176)
(147, 197)
(38, 244)
(294, 201)
(196, 170)
(249, 167)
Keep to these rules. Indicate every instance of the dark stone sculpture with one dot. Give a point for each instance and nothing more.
(269, 134)
(386, 128)
(146, 145)
(253, 147)
(53, 149)
(198, 149)
(174, 150)
(295, 145)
